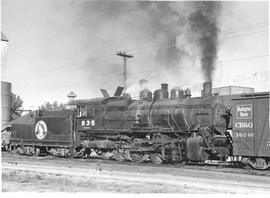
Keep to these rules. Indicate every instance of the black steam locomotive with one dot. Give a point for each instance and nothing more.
(154, 128)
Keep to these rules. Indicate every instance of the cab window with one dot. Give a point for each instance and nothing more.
(93, 110)
(81, 111)
(97, 110)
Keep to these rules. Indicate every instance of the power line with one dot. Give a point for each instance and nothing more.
(158, 46)
(156, 69)
(241, 28)
(247, 34)
(222, 61)
(244, 30)
(163, 69)
(246, 58)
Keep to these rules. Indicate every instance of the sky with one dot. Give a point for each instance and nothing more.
(58, 46)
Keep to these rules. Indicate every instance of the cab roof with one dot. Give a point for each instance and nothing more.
(86, 101)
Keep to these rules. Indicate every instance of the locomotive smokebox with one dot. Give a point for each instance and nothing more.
(207, 89)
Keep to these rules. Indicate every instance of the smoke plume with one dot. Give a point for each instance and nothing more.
(162, 25)
(204, 26)
(181, 33)
(185, 32)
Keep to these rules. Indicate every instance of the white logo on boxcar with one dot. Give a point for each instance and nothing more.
(41, 130)
(243, 125)
(244, 111)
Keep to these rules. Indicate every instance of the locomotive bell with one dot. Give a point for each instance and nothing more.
(207, 89)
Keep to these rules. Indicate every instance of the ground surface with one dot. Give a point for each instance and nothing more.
(50, 174)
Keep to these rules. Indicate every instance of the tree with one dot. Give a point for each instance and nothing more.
(53, 106)
(47, 106)
(16, 104)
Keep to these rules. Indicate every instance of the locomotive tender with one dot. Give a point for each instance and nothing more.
(158, 128)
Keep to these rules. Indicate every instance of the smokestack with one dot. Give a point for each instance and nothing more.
(207, 89)
(164, 86)
(142, 84)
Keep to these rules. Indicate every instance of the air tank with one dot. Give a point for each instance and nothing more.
(6, 101)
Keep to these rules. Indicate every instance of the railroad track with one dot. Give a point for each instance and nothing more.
(16, 158)
(173, 178)
(208, 184)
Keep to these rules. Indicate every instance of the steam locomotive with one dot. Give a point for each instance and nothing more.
(155, 128)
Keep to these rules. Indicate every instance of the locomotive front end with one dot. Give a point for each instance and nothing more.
(209, 119)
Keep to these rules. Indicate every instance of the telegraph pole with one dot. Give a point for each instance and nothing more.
(125, 57)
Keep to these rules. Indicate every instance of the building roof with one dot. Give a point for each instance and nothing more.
(72, 94)
(230, 86)
(3, 37)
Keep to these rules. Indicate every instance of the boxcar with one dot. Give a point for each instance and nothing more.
(250, 130)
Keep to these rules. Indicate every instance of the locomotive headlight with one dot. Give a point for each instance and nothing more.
(220, 117)
(220, 113)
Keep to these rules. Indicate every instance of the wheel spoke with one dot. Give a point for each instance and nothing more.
(136, 157)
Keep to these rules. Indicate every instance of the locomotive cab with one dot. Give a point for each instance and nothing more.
(88, 114)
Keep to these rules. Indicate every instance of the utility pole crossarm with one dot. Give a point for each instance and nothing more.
(124, 54)
(125, 57)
